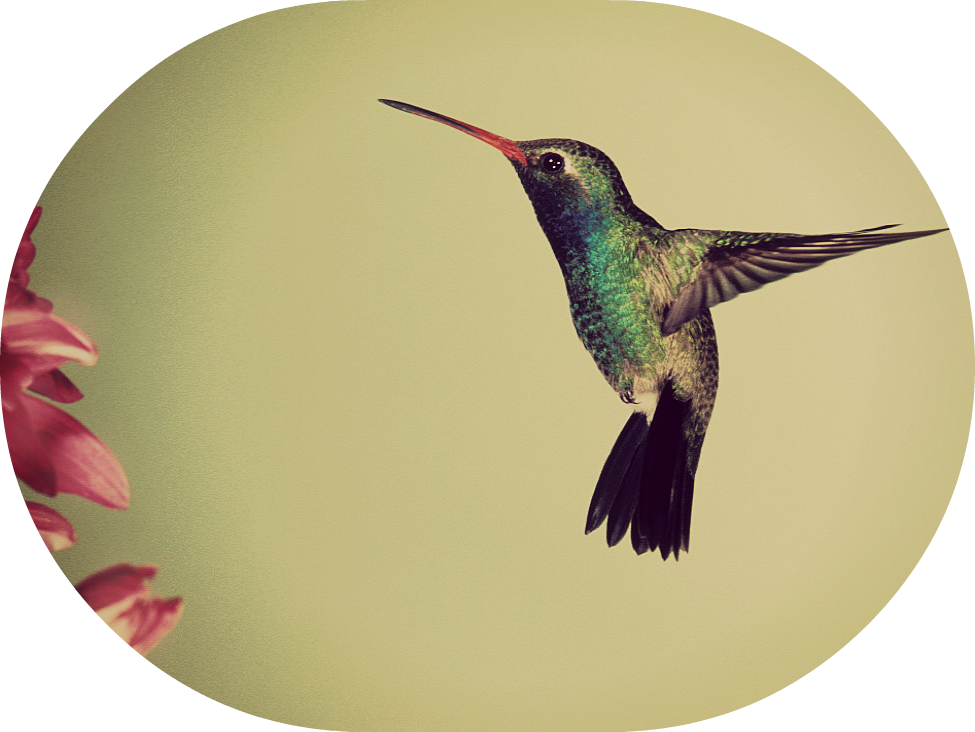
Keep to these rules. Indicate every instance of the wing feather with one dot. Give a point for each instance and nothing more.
(728, 263)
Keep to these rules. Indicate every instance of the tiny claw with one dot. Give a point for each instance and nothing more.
(627, 397)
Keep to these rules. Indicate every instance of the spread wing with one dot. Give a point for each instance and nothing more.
(724, 264)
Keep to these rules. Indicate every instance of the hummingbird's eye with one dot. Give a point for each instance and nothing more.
(551, 162)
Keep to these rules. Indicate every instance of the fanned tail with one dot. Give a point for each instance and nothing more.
(646, 484)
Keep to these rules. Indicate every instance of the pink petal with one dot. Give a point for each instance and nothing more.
(119, 585)
(25, 253)
(34, 333)
(35, 216)
(55, 529)
(15, 375)
(121, 597)
(28, 453)
(150, 620)
(82, 464)
(55, 385)
(17, 293)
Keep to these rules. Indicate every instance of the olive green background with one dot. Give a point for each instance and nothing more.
(337, 365)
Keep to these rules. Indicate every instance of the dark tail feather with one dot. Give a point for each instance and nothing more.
(616, 476)
(646, 483)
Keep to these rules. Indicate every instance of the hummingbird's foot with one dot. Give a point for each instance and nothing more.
(627, 397)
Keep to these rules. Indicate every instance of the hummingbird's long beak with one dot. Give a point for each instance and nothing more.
(508, 147)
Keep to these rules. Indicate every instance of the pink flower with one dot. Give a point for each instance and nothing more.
(120, 595)
(51, 451)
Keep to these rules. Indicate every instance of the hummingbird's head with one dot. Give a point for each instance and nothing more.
(571, 183)
(573, 187)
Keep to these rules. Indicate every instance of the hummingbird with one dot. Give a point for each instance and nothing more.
(640, 298)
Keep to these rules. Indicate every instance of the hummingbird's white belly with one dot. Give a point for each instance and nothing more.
(646, 403)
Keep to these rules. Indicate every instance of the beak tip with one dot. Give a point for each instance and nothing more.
(509, 148)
